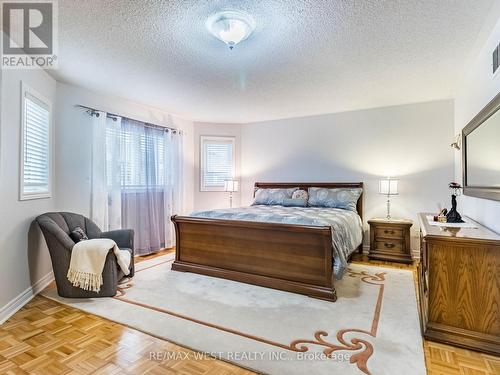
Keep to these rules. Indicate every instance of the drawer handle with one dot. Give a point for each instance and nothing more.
(389, 245)
(388, 231)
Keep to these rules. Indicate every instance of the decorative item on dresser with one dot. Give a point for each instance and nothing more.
(453, 216)
(390, 240)
(459, 279)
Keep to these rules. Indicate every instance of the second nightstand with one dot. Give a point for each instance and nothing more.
(390, 240)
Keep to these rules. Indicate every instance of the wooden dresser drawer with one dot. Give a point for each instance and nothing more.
(389, 232)
(389, 245)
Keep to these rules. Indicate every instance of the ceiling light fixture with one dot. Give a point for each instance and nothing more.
(231, 26)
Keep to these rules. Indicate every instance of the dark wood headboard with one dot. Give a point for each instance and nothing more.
(306, 185)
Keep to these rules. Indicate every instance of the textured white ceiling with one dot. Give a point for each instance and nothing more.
(305, 57)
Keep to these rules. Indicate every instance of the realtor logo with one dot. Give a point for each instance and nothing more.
(29, 34)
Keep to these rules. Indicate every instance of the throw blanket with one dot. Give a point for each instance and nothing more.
(87, 262)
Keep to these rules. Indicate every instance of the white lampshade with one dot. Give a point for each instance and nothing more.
(231, 185)
(388, 186)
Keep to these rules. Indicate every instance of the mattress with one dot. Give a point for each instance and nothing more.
(347, 228)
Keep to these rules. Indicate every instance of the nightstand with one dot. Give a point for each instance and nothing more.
(390, 240)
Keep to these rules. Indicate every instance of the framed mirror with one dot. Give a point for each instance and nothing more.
(481, 153)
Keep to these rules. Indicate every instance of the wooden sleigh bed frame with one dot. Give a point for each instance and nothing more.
(293, 258)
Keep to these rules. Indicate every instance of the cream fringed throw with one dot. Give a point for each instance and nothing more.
(87, 262)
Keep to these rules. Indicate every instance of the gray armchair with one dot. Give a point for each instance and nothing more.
(56, 227)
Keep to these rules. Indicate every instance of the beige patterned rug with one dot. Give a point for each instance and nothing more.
(373, 328)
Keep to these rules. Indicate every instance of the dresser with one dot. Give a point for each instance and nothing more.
(390, 240)
(459, 286)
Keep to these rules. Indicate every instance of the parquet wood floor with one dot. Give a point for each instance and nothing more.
(443, 359)
(45, 337)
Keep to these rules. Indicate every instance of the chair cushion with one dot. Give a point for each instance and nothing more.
(76, 220)
(78, 234)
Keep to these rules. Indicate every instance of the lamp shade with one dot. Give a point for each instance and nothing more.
(388, 186)
(231, 185)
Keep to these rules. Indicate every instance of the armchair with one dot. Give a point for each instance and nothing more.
(56, 227)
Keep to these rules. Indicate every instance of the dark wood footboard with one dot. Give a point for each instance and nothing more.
(294, 258)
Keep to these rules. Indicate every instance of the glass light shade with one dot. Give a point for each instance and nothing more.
(231, 26)
(231, 185)
(388, 186)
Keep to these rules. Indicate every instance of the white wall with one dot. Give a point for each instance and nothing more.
(476, 90)
(408, 141)
(23, 254)
(73, 142)
(214, 199)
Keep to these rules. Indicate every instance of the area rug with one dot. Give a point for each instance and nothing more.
(372, 328)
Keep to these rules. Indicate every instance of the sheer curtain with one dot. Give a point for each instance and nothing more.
(173, 181)
(143, 181)
(98, 191)
(113, 163)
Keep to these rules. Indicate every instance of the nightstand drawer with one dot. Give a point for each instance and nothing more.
(389, 232)
(395, 246)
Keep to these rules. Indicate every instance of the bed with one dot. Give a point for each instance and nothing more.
(294, 249)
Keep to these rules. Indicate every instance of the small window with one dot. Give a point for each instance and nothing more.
(35, 145)
(217, 162)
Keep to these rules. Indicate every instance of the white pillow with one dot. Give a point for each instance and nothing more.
(300, 194)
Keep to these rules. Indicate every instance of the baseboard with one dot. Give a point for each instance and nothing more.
(22, 299)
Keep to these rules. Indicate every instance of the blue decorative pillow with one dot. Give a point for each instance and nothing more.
(345, 198)
(272, 196)
(295, 202)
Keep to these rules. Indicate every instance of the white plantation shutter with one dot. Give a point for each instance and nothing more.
(35, 179)
(217, 160)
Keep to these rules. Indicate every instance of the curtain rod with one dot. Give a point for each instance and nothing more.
(95, 112)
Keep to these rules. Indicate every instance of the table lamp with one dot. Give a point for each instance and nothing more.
(388, 186)
(231, 186)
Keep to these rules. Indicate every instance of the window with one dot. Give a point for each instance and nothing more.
(138, 152)
(217, 162)
(35, 145)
